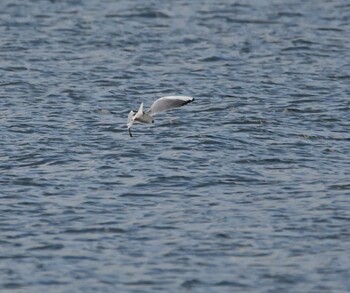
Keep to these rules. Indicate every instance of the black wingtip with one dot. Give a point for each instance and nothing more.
(187, 102)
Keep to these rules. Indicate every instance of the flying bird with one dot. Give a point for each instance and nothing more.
(160, 105)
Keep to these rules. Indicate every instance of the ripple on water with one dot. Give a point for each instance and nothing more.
(246, 189)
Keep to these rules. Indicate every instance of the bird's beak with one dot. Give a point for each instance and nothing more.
(130, 132)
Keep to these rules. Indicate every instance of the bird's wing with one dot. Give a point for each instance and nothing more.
(167, 103)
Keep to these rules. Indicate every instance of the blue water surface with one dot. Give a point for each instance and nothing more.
(245, 190)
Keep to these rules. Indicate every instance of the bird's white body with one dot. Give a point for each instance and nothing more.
(160, 105)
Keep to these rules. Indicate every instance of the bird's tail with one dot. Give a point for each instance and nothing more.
(143, 117)
(140, 111)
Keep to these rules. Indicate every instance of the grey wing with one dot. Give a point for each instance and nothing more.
(167, 103)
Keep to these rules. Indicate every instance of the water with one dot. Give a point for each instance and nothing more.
(244, 190)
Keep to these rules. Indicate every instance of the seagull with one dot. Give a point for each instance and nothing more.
(160, 105)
